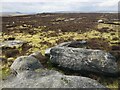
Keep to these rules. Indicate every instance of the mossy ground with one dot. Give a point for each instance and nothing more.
(46, 30)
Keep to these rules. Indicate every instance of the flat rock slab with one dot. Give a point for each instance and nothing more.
(11, 44)
(81, 59)
(49, 79)
(75, 44)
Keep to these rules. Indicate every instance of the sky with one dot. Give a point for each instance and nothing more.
(40, 6)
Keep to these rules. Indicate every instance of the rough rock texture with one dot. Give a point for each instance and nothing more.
(47, 51)
(75, 44)
(11, 44)
(25, 63)
(81, 59)
(49, 79)
(32, 76)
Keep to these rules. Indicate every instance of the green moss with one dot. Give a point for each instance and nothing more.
(109, 82)
(113, 85)
(4, 73)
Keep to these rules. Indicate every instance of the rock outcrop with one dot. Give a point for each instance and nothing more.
(13, 48)
(30, 74)
(50, 79)
(85, 60)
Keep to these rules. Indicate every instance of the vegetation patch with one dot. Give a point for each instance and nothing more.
(43, 31)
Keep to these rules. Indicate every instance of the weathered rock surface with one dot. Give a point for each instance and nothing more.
(81, 59)
(47, 51)
(11, 44)
(31, 75)
(25, 63)
(75, 44)
(49, 79)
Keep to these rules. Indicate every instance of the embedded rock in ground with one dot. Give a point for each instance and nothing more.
(11, 44)
(43, 78)
(84, 60)
(13, 48)
(47, 51)
(25, 63)
(51, 79)
(31, 75)
(81, 44)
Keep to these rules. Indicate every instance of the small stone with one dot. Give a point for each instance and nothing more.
(11, 44)
(100, 21)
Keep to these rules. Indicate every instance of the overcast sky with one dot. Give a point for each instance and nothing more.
(39, 6)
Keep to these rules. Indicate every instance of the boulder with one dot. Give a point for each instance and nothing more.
(27, 72)
(25, 63)
(84, 60)
(42, 78)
